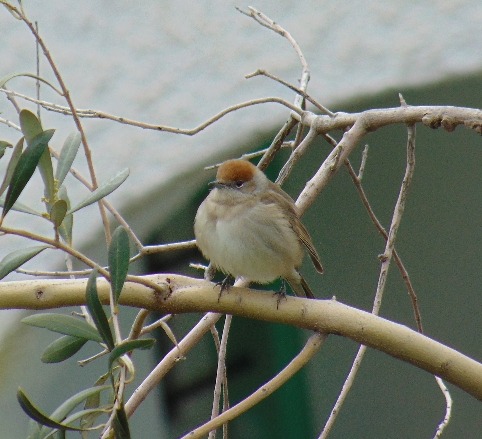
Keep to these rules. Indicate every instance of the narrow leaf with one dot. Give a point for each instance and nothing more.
(62, 348)
(25, 168)
(31, 128)
(97, 312)
(30, 125)
(33, 430)
(3, 146)
(65, 228)
(37, 415)
(57, 212)
(118, 260)
(17, 152)
(67, 156)
(127, 346)
(121, 424)
(63, 324)
(17, 258)
(93, 401)
(20, 207)
(103, 190)
(67, 406)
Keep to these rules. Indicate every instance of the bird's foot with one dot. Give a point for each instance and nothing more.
(224, 285)
(281, 293)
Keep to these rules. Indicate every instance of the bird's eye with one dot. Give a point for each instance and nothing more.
(239, 183)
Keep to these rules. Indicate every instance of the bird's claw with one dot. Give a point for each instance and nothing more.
(224, 285)
(281, 293)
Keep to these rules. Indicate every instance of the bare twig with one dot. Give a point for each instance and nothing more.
(189, 132)
(277, 143)
(10, 124)
(310, 348)
(169, 361)
(11, 98)
(363, 163)
(385, 258)
(66, 94)
(448, 408)
(295, 156)
(291, 87)
(221, 375)
(37, 82)
(265, 21)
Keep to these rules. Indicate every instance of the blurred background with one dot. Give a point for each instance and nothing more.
(179, 63)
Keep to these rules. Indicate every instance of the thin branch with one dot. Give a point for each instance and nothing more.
(265, 21)
(291, 87)
(160, 290)
(156, 324)
(311, 347)
(11, 98)
(189, 132)
(277, 143)
(169, 361)
(221, 375)
(295, 156)
(66, 94)
(10, 124)
(385, 264)
(363, 163)
(448, 408)
(37, 82)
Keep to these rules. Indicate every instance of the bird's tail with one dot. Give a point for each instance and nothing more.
(300, 287)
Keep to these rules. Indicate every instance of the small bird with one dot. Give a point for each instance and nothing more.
(248, 226)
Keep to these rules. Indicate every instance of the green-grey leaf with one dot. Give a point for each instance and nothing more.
(67, 156)
(33, 430)
(3, 146)
(37, 415)
(7, 78)
(121, 424)
(25, 168)
(96, 310)
(30, 125)
(17, 152)
(65, 228)
(67, 406)
(17, 258)
(62, 348)
(118, 260)
(20, 207)
(103, 190)
(63, 324)
(127, 346)
(31, 128)
(57, 212)
(91, 413)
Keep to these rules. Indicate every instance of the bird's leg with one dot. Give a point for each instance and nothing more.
(224, 285)
(210, 272)
(281, 293)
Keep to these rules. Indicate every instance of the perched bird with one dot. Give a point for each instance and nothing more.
(248, 226)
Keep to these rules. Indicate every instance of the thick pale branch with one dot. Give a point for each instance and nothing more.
(195, 295)
(362, 123)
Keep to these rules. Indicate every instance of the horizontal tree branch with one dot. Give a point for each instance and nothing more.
(196, 295)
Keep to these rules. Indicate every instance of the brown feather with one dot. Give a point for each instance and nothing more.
(288, 204)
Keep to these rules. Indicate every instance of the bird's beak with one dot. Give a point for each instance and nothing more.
(216, 185)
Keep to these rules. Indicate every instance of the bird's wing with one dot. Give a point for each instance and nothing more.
(287, 202)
